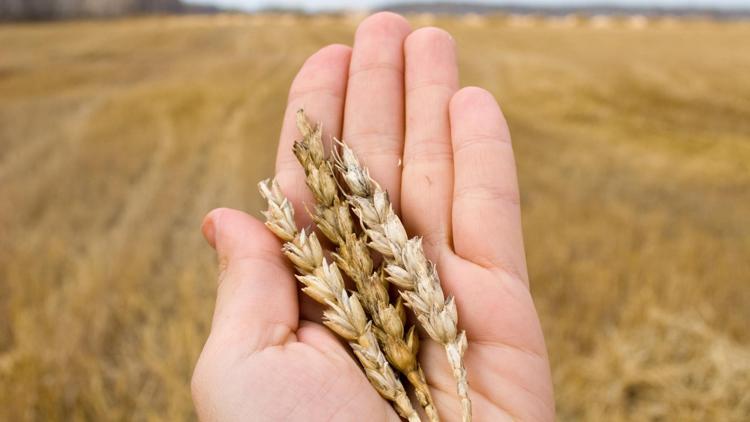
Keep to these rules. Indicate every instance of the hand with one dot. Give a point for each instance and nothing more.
(394, 98)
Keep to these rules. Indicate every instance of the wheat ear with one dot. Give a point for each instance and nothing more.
(407, 267)
(323, 282)
(332, 216)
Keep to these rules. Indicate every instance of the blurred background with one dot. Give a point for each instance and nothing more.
(119, 131)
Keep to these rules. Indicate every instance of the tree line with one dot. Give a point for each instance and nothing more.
(63, 9)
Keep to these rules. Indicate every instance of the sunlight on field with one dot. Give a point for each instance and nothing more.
(633, 146)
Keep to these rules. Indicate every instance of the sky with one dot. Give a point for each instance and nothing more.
(344, 4)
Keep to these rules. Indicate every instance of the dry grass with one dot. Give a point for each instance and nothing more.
(116, 137)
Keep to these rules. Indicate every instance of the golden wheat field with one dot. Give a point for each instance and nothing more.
(116, 137)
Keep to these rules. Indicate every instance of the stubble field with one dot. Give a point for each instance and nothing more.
(116, 137)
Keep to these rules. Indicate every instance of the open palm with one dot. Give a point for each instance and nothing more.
(445, 157)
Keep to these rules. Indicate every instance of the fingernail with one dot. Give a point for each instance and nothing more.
(208, 227)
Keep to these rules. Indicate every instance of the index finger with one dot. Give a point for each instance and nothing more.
(319, 88)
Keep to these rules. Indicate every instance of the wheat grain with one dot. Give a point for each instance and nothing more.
(407, 267)
(332, 215)
(324, 283)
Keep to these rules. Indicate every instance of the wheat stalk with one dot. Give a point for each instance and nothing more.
(406, 265)
(333, 217)
(323, 282)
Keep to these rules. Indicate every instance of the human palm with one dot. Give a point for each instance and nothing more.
(445, 157)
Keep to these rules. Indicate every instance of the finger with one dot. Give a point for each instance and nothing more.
(319, 88)
(431, 79)
(374, 112)
(486, 204)
(256, 301)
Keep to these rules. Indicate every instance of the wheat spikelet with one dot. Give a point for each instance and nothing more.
(407, 267)
(324, 283)
(332, 216)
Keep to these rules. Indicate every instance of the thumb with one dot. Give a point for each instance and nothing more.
(256, 300)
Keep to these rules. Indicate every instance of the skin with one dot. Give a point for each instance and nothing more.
(394, 97)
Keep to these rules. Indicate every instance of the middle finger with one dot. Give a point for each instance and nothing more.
(374, 110)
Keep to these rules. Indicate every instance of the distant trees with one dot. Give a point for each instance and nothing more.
(60, 9)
